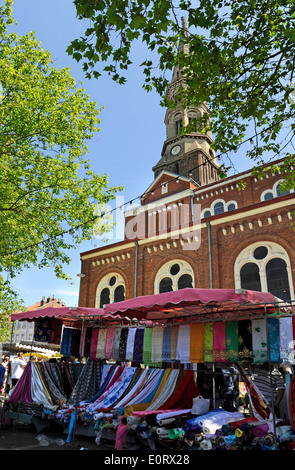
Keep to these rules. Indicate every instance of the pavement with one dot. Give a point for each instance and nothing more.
(21, 437)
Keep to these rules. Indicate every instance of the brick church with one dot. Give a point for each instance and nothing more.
(193, 229)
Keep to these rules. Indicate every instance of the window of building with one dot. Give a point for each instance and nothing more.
(281, 191)
(178, 125)
(250, 277)
(172, 276)
(218, 208)
(268, 196)
(265, 267)
(207, 214)
(231, 207)
(110, 289)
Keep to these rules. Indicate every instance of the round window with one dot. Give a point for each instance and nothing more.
(174, 269)
(260, 252)
(112, 280)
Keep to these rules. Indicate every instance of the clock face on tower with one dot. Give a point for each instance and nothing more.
(175, 150)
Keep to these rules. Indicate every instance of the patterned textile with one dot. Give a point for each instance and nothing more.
(208, 342)
(219, 342)
(286, 340)
(55, 331)
(88, 382)
(75, 344)
(42, 329)
(65, 347)
(167, 390)
(115, 392)
(123, 344)
(101, 340)
(56, 396)
(274, 339)
(259, 405)
(116, 344)
(138, 345)
(245, 340)
(147, 346)
(166, 351)
(232, 341)
(108, 348)
(259, 338)
(157, 344)
(183, 344)
(94, 340)
(130, 344)
(174, 340)
(197, 343)
(39, 392)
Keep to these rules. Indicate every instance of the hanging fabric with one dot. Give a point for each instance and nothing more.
(108, 347)
(101, 340)
(157, 345)
(208, 342)
(65, 347)
(130, 344)
(123, 344)
(183, 344)
(173, 344)
(93, 345)
(138, 346)
(219, 342)
(147, 346)
(232, 341)
(245, 340)
(42, 329)
(259, 341)
(166, 350)
(286, 340)
(197, 342)
(116, 344)
(274, 339)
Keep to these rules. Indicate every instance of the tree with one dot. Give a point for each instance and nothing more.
(48, 191)
(240, 61)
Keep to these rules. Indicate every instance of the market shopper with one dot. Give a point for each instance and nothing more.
(17, 367)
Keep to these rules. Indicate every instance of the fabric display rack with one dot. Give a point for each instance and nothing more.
(139, 388)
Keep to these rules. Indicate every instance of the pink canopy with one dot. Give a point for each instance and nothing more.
(191, 302)
(67, 313)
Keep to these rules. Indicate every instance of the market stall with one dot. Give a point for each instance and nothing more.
(145, 353)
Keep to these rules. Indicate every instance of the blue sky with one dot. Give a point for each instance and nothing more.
(131, 137)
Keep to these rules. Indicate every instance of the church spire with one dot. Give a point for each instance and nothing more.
(188, 154)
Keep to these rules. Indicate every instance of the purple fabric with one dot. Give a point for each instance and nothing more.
(138, 345)
(22, 390)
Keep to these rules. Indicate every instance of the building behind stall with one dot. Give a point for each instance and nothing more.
(193, 229)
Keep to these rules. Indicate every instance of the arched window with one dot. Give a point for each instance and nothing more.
(165, 285)
(218, 208)
(207, 214)
(104, 297)
(265, 267)
(185, 281)
(231, 207)
(277, 278)
(281, 191)
(250, 277)
(174, 275)
(110, 289)
(268, 196)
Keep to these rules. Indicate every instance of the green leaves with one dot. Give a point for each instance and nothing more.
(239, 59)
(46, 183)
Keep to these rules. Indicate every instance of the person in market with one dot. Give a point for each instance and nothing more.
(5, 362)
(229, 388)
(17, 367)
(270, 383)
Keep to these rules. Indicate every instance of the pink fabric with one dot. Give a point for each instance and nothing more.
(219, 342)
(93, 345)
(108, 348)
(22, 390)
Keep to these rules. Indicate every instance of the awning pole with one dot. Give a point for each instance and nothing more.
(271, 383)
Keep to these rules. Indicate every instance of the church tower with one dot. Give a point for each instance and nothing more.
(188, 154)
